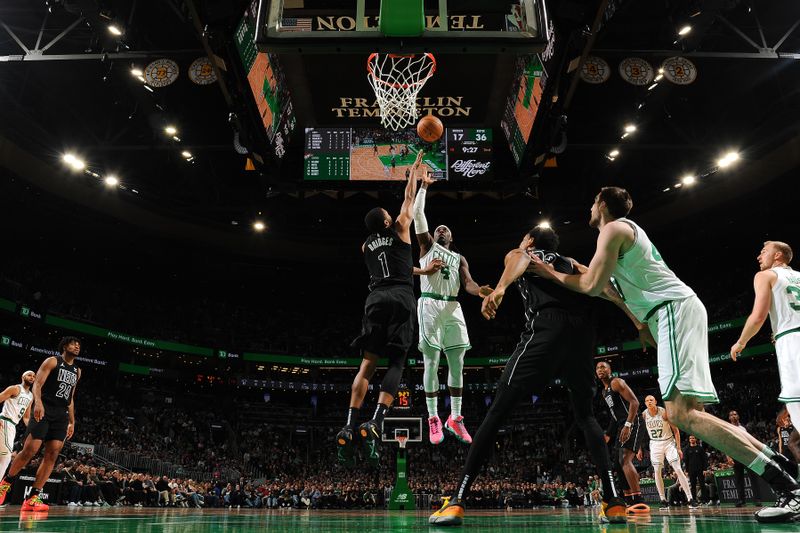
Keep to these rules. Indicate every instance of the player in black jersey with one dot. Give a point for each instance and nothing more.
(625, 430)
(557, 341)
(53, 420)
(388, 324)
(788, 437)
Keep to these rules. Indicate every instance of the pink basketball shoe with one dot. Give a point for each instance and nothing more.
(457, 428)
(435, 425)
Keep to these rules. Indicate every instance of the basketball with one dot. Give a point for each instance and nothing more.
(430, 128)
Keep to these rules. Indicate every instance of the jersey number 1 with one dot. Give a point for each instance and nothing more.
(384, 264)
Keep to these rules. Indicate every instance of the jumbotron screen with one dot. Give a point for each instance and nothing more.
(379, 155)
(522, 105)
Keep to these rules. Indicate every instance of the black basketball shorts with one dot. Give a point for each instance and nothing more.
(389, 322)
(48, 428)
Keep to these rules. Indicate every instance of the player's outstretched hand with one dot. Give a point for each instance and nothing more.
(432, 268)
(426, 178)
(70, 431)
(736, 349)
(542, 269)
(418, 160)
(38, 411)
(624, 435)
(646, 338)
(491, 303)
(485, 290)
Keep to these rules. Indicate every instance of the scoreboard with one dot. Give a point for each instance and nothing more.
(469, 152)
(327, 154)
(337, 154)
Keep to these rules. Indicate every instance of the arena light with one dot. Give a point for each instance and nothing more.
(170, 130)
(544, 224)
(653, 86)
(630, 128)
(148, 88)
(728, 159)
(137, 72)
(258, 226)
(74, 162)
(111, 181)
(688, 180)
(659, 77)
(613, 153)
(678, 185)
(186, 154)
(113, 29)
(685, 30)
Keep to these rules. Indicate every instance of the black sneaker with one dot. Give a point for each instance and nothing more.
(345, 449)
(370, 437)
(693, 504)
(664, 505)
(786, 509)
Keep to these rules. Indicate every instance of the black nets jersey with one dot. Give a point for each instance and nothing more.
(388, 260)
(538, 293)
(59, 386)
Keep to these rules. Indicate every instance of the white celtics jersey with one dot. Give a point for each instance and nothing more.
(14, 408)
(784, 312)
(446, 281)
(643, 279)
(657, 427)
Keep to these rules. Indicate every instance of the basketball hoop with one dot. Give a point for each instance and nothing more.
(397, 79)
(402, 440)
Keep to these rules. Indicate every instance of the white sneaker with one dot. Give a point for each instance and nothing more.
(785, 509)
(72, 504)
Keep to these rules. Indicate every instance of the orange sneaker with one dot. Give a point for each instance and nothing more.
(451, 514)
(5, 486)
(613, 511)
(34, 503)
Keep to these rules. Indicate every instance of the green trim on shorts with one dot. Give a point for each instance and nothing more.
(467, 346)
(10, 447)
(673, 349)
(434, 296)
(423, 337)
(782, 333)
(789, 400)
(702, 396)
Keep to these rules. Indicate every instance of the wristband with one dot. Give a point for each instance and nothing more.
(628, 424)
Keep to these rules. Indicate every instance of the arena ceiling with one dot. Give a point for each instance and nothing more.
(79, 96)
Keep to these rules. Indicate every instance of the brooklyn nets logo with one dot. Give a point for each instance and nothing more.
(636, 71)
(595, 70)
(679, 70)
(161, 72)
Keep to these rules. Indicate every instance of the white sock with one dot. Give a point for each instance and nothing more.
(455, 406)
(433, 406)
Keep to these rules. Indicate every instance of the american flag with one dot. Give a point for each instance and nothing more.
(296, 24)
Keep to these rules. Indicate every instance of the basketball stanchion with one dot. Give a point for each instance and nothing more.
(401, 498)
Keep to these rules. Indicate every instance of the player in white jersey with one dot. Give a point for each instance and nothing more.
(441, 322)
(665, 442)
(777, 289)
(677, 319)
(17, 401)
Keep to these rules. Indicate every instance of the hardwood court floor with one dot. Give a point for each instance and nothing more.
(132, 520)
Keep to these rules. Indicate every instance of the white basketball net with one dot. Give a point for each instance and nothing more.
(397, 79)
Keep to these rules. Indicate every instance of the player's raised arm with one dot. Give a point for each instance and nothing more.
(424, 237)
(469, 284)
(594, 280)
(407, 209)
